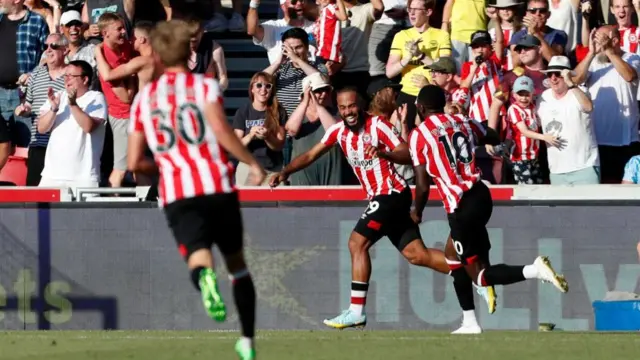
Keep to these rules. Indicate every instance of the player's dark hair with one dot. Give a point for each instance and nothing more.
(296, 33)
(86, 69)
(347, 89)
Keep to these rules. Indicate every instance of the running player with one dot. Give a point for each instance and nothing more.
(442, 148)
(180, 116)
(371, 146)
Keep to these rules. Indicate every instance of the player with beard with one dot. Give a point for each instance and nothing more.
(442, 150)
(372, 146)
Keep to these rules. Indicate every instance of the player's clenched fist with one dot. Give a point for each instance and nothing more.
(277, 179)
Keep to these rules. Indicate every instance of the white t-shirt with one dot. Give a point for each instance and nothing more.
(566, 119)
(565, 18)
(272, 40)
(355, 38)
(389, 5)
(615, 108)
(72, 154)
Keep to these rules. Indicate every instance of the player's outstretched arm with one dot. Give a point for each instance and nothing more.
(300, 163)
(423, 184)
(484, 134)
(399, 155)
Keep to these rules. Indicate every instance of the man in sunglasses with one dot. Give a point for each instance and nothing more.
(43, 78)
(552, 41)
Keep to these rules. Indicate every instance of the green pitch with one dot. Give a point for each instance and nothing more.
(317, 345)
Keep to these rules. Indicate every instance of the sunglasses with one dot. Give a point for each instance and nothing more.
(259, 85)
(53, 46)
(554, 74)
(520, 49)
(320, 90)
(538, 10)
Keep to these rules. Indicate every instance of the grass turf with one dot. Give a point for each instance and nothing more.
(317, 345)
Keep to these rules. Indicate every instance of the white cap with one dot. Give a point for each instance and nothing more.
(70, 16)
(282, 2)
(315, 81)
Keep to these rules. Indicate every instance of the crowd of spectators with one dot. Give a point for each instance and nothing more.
(557, 78)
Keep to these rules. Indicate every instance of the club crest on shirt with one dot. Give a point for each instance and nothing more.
(366, 138)
(633, 38)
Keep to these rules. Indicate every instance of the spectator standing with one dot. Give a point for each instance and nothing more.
(524, 124)
(392, 21)
(260, 126)
(42, 79)
(564, 16)
(552, 41)
(307, 125)
(414, 48)
(51, 14)
(78, 48)
(76, 119)
(507, 23)
(290, 69)
(328, 32)
(143, 66)
(443, 73)
(462, 18)
(564, 111)
(23, 34)
(207, 56)
(94, 9)
(269, 33)
(117, 51)
(355, 39)
(612, 81)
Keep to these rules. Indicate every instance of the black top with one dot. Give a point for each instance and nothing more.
(9, 72)
(247, 117)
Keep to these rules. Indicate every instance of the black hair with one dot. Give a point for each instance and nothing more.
(296, 33)
(87, 70)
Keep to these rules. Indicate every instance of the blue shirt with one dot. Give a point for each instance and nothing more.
(31, 36)
(632, 170)
(551, 36)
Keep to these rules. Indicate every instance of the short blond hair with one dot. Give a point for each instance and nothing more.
(171, 40)
(107, 19)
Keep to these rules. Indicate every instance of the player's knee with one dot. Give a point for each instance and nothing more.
(358, 244)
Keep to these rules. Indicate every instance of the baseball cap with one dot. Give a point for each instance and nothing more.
(528, 41)
(558, 63)
(445, 65)
(69, 17)
(480, 38)
(315, 81)
(523, 83)
(432, 97)
(381, 83)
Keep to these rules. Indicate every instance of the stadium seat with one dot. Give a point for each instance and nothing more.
(14, 172)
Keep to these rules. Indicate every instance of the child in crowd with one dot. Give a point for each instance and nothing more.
(524, 126)
(328, 32)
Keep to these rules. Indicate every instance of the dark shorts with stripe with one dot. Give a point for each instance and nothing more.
(200, 222)
(468, 224)
(390, 216)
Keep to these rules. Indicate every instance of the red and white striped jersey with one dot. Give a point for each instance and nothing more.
(485, 82)
(445, 144)
(377, 176)
(460, 97)
(507, 62)
(524, 148)
(328, 34)
(629, 38)
(170, 113)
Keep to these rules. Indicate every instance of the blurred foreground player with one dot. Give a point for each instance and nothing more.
(442, 147)
(180, 116)
(372, 146)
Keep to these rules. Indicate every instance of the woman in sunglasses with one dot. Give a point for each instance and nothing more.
(260, 126)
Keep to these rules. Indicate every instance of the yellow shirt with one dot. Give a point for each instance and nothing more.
(467, 17)
(435, 43)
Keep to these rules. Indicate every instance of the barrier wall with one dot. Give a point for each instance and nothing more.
(94, 266)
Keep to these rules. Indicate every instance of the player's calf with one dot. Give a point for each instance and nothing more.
(417, 254)
(244, 295)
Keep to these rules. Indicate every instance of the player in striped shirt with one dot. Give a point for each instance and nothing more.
(372, 146)
(442, 148)
(180, 117)
(524, 125)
